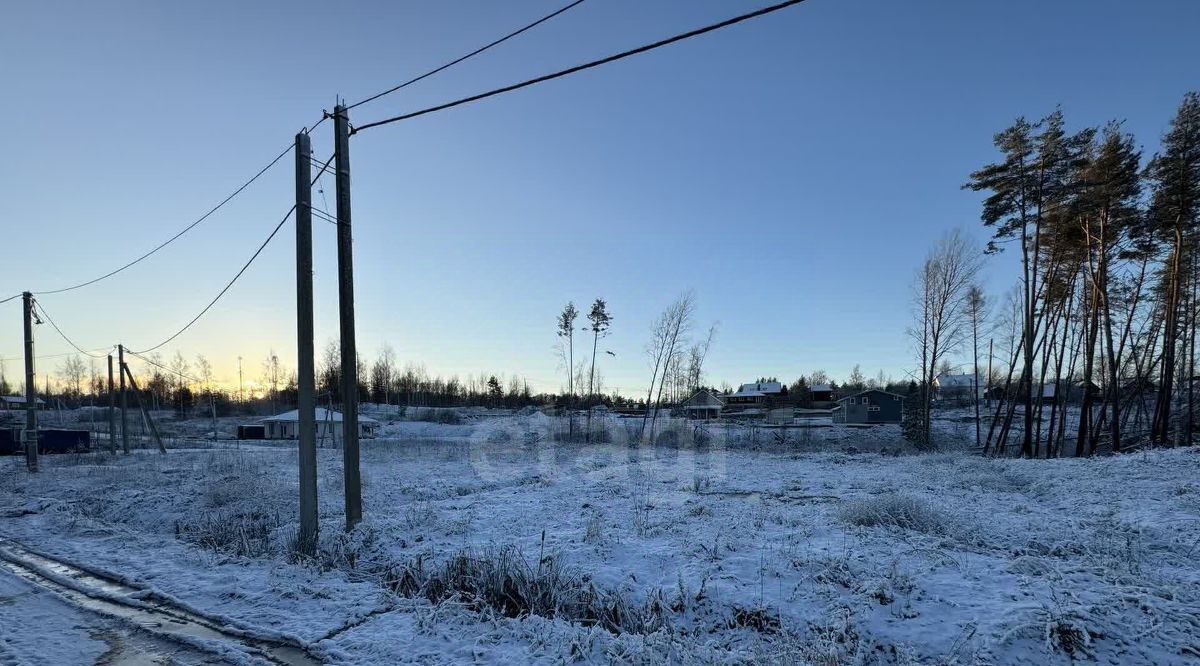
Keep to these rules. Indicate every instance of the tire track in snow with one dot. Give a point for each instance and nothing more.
(146, 610)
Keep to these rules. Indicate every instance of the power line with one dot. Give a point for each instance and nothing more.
(181, 232)
(285, 151)
(323, 216)
(38, 358)
(467, 56)
(580, 68)
(227, 286)
(160, 366)
(11, 298)
(42, 309)
(257, 252)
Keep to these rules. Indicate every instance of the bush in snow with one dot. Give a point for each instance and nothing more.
(432, 415)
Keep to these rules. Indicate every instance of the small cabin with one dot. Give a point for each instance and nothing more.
(8, 402)
(329, 424)
(703, 405)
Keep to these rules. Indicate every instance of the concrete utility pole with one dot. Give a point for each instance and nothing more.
(124, 401)
(112, 417)
(305, 374)
(31, 426)
(341, 146)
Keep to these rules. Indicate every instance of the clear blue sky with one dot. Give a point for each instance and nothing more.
(792, 170)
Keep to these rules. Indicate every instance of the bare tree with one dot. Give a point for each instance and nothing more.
(383, 375)
(72, 372)
(180, 368)
(272, 370)
(939, 328)
(696, 357)
(664, 337)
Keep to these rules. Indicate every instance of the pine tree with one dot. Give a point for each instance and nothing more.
(1175, 177)
(1034, 180)
(1108, 208)
(601, 321)
(566, 329)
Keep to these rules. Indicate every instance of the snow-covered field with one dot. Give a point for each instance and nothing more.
(489, 541)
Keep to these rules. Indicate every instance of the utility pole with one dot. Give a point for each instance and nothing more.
(305, 375)
(146, 418)
(240, 398)
(112, 417)
(124, 401)
(31, 426)
(353, 480)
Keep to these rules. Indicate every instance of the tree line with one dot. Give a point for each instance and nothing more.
(1105, 306)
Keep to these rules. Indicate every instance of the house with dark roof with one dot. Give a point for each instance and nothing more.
(870, 406)
(821, 394)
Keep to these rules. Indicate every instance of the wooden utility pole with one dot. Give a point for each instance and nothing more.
(31, 415)
(305, 374)
(353, 480)
(137, 394)
(112, 417)
(124, 400)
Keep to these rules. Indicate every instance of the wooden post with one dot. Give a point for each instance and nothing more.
(353, 479)
(31, 415)
(112, 417)
(141, 406)
(124, 400)
(305, 373)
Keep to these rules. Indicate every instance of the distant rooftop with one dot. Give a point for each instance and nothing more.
(759, 389)
(964, 380)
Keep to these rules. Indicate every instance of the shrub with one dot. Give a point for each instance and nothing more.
(432, 415)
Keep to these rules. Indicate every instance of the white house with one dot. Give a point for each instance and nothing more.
(18, 402)
(754, 394)
(957, 387)
(329, 423)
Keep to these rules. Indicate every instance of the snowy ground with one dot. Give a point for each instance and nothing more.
(719, 545)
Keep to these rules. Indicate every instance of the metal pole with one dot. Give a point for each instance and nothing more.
(112, 417)
(124, 400)
(31, 425)
(341, 143)
(305, 374)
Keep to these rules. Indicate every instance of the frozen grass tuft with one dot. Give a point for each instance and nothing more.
(245, 534)
(895, 510)
(502, 580)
